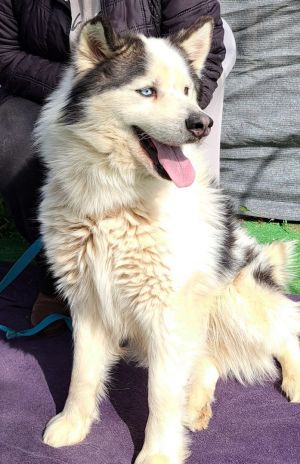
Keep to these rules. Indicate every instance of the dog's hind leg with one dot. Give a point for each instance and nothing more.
(289, 358)
(200, 394)
(93, 355)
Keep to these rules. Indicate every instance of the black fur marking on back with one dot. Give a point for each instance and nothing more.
(109, 74)
(250, 254)
(264, 276)
(226, 259)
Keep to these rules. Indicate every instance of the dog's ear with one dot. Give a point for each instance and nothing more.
(196, 41)
(97, 42)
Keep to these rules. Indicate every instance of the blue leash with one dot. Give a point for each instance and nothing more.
(21, 264)
(12, 274)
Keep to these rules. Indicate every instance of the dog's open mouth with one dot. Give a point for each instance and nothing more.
(168, 161)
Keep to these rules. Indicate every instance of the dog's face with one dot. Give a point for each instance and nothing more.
(148, 88)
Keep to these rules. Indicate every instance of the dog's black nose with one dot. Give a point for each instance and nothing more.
(199, 124)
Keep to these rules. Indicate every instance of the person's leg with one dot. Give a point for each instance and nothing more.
(21, 177)
(20, 170)
(211, 145)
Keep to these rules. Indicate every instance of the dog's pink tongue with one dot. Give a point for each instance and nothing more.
(179, 168)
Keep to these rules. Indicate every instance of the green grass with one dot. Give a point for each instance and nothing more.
(12, 244)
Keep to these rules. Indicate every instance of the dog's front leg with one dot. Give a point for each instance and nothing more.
(169, 369)
(93, 355)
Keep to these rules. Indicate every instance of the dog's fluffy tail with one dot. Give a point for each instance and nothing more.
(252, 317)
(281, 256)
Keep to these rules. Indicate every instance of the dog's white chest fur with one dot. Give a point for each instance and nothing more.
(191, 238)
(144, 256)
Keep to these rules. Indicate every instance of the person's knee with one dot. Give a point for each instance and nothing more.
(230, 46)
(17, 119)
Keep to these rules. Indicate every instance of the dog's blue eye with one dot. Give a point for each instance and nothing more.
(147, 92)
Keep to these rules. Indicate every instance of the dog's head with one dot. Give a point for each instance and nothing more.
(147, 88)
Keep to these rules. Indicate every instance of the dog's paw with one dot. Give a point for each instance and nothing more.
(173, 456)
(65, 430)
(154, 459)
(291, 387)
(198, 419)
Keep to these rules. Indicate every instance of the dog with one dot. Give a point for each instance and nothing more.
(146, 248)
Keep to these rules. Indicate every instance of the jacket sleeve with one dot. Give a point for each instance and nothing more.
(176, 15)
(23, 74)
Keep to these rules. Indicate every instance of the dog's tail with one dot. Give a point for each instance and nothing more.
(252, 315)
(281, 258)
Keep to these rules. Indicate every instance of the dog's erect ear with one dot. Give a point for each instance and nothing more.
(97, 42)
(196, 41)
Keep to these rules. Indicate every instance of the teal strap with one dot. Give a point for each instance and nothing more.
(21, 264)
(12, 274)
(10, 333)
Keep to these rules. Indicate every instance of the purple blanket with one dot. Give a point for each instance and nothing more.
(250, 424)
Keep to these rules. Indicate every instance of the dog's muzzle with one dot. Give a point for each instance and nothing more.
(199, 124)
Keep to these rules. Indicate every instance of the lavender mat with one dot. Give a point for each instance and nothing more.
(250, 424)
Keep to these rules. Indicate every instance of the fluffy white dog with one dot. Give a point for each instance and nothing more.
(145, 248)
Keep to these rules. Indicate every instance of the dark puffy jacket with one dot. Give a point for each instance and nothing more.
(34, 38)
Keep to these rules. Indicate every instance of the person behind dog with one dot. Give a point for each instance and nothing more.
(35, 43)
